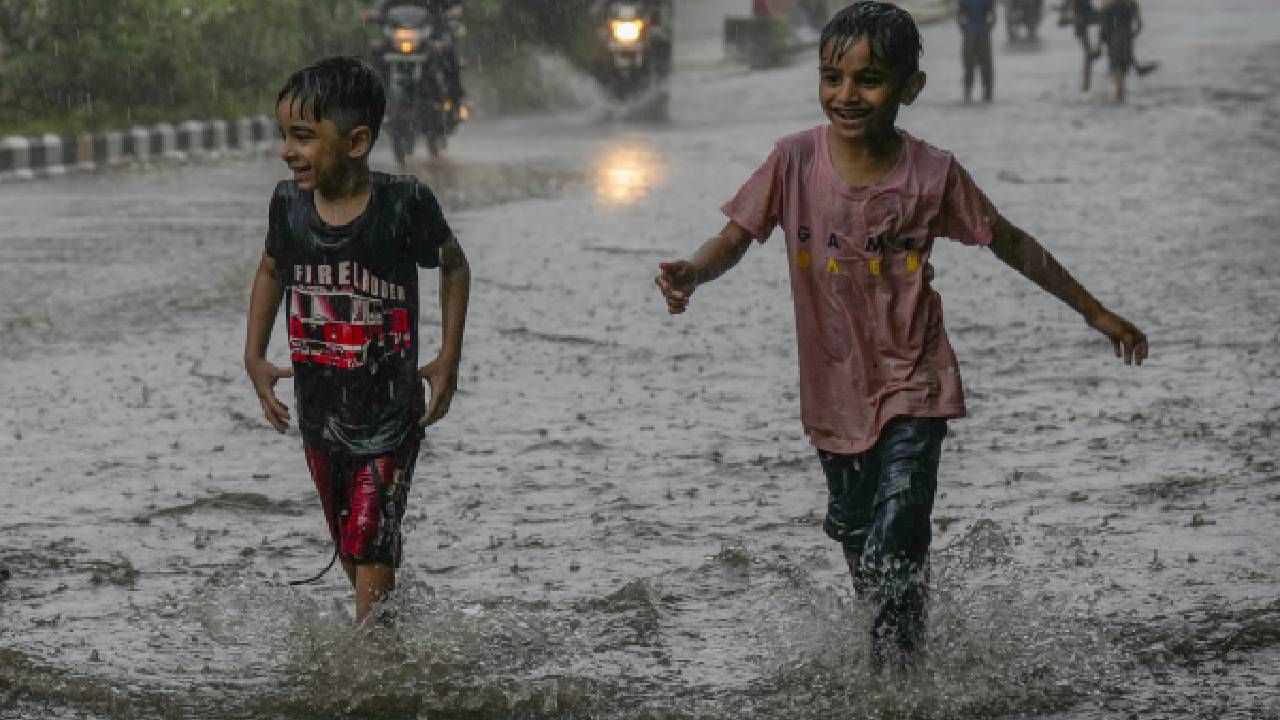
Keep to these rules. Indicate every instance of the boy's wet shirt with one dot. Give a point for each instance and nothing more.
(352, 310)
(871, 340)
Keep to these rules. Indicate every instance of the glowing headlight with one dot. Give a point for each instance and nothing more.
(627, 31)
(406, 40)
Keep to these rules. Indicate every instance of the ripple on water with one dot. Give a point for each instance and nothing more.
(228, 502)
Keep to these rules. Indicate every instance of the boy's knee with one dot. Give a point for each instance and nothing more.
(900, 532)
(850, 499)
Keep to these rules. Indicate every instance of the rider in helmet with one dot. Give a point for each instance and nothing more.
(658, 15)
(447, 13)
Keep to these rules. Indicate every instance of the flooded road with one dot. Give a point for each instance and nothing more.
(621, 516)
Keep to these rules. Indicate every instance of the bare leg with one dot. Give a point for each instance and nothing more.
(373, 583)
(1086, 81)
(1119, 78)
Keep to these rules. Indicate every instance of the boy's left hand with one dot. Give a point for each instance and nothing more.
(442, 375)
(1129, 342)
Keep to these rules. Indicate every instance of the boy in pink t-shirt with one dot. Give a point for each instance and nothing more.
(861, 203)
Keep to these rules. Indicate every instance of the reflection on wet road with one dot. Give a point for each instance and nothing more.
(620, 517)
(626, 174)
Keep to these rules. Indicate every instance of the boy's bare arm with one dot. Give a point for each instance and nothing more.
(455, 294)
(679, 278)
(1022, 252)
(264, 302)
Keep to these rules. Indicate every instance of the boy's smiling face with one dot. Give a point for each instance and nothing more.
(861, 94)
(317, 152)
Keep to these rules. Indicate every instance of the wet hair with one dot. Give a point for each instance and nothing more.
(890, 30)
(343, 90)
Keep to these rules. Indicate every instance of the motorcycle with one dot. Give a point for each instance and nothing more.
(636, 56)
(1022, 19)
(418, 102)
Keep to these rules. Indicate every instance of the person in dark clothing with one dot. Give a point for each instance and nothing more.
(657, 15)
(1081, 14)
(976, 19)
(343, 248)
(1121, 22)
(860, 203)
(447, 14)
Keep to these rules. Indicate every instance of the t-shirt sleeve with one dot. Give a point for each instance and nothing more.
(966, 214)
(277, 224)
(428, 228)
(758, 205)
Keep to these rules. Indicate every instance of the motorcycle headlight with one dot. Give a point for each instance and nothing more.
(627, 31)
(406, 40)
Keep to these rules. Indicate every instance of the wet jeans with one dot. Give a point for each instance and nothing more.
(879, 508)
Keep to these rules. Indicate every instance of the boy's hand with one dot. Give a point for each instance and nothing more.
(442, 375)
(265, 376)
(677, 281)
(1128, 340)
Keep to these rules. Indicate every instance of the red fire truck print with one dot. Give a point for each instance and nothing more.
(344, 329)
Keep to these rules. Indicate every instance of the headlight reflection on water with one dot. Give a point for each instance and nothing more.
(625, 174)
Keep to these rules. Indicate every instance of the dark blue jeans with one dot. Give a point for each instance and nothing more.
(879, 508)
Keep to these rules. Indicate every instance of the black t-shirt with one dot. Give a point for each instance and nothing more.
(351, 299)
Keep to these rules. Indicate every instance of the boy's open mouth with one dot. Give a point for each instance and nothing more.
(850, 114)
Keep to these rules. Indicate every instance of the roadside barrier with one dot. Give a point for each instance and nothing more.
(28, 158)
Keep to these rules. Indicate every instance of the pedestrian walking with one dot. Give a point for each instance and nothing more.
(1121, 22)
(1081, 15)
(861, 203)
(343, 247)
(976, 19)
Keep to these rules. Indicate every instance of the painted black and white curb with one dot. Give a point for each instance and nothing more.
(26, 158)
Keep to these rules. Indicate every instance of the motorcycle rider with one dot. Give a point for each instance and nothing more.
(657, 15)
(445, 14)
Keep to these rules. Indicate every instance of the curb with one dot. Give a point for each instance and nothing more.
(50, 155)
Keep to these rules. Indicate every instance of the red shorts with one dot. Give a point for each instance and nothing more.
(364, 499)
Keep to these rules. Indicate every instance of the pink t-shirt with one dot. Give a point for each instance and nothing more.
(869, 326)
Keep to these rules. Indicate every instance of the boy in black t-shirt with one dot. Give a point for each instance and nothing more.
(343, 248)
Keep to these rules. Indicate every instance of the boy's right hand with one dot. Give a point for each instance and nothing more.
(265, 376)
(677, 281)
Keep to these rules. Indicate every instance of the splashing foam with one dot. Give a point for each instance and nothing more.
(997, 646)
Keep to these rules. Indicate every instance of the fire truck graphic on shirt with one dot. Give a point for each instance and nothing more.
(344, 329)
